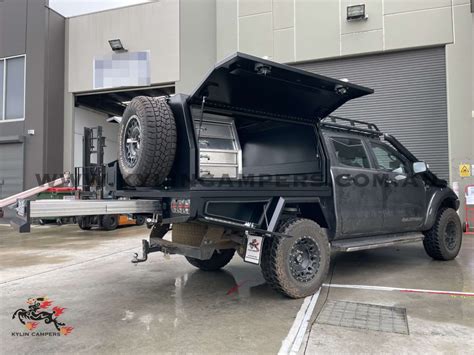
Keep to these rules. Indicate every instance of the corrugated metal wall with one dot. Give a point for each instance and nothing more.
(409, 100)
(11, 169)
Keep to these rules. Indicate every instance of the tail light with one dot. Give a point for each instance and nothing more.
(180, 206)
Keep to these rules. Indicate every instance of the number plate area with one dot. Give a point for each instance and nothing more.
(253, 252)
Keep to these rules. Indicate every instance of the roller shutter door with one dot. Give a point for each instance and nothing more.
(409, 100)
(11, 169)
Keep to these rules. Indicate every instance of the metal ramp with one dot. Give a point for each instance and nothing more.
(27, 209)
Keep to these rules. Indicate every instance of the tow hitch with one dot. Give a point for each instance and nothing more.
(146, 249)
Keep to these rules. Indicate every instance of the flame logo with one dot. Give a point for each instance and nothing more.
(66, 330)
(58, 311)
(31, 325)
(46, 304)
(38, 311)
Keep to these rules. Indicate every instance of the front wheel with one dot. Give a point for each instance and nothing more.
(296, 266)
(443, 240)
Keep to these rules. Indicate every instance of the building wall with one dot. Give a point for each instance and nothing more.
(30, 27)
(459, 76)
(301, 30)
(54, 91)
(151, 26)
(197, 42)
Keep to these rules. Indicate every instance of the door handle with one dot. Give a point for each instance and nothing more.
(347, 178)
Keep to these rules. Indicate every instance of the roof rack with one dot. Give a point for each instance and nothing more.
(340, 123)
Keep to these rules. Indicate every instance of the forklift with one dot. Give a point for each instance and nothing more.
(90, 184)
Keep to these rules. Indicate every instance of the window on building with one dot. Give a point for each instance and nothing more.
(350, 152)
(12, 88)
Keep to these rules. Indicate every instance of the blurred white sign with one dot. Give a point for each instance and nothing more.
(122, 69)
(470, 195)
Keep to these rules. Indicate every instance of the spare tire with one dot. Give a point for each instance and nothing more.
(147, 141)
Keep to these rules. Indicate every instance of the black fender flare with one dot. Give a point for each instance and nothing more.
(443, 197)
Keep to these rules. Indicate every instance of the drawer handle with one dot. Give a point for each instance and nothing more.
(205, 172)
(203, 128)
(205, 156)
(204, 141)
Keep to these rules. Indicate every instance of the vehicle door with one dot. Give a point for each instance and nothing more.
(403, 192)
(358, 200)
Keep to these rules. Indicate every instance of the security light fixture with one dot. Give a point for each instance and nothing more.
(356, 12)
(116, 45)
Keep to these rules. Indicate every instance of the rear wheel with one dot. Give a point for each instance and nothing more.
(443, 240)
(219, 259)
(296, 266)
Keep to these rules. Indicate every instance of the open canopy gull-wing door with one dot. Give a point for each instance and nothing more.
(249, 84)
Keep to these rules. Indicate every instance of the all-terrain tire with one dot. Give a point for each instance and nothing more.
(281, 266)
(84, 222)
(443, 241)
(109, 221)
(148, 162)
(219, 259)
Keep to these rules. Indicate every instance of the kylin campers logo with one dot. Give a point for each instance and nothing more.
(38, 311)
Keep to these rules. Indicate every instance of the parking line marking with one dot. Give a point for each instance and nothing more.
(292, 343)
(408, 290)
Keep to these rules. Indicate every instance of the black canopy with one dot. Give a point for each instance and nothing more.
(250, 84)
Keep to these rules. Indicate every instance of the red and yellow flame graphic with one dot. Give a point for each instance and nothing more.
(66, 330)
(46, 304)
(58, 311)
(31, 325)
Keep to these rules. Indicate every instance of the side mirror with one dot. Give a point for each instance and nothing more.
(419, 167)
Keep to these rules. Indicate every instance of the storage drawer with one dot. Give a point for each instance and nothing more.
(216, 130)
(216, 143)
(217, 157)
(217, 171)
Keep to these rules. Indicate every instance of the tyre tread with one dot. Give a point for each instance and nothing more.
(160, 144)
(433, 237)
(273, 273)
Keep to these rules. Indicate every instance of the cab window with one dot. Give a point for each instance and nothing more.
(350, 152)
(387, 159)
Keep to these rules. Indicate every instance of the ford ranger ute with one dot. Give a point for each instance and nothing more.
(253, 163)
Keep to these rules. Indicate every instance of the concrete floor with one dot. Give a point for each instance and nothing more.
(166, 305)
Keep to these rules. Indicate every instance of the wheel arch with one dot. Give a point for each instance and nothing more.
(444, 198)
(314, 210)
